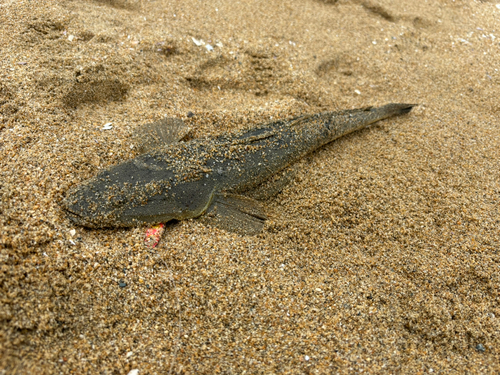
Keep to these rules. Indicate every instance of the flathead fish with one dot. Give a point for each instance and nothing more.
(208, 177)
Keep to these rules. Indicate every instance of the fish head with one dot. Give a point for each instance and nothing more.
(129, 195)
(96, 203)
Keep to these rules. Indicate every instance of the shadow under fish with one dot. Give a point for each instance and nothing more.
(215, 178)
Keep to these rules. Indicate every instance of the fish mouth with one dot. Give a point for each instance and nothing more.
(75, 217)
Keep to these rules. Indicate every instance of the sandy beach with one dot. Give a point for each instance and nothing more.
(382, 254)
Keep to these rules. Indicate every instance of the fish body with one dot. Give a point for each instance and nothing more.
(182, 180)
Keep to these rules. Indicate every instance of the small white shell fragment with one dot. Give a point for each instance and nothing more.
(209, 47)
(198, 42)
(107, 126)
(133, 372)
(72, 232)
(498, 6)
(71, 37)
(306, 358)
(357, 92)
(130, 354)
(219, 44)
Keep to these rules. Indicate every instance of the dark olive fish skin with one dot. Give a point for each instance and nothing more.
(180, 181)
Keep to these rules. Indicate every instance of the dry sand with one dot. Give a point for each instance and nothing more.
(382, 255)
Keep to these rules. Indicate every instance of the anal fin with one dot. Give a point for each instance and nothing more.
(273, 186)
(236, 214)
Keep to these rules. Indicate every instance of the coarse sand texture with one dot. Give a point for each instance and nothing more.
(379, 255)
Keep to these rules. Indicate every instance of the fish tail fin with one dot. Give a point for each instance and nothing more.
(363, 117)
(345, 122)
(393, 109)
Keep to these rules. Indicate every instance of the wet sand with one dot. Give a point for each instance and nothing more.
(381, 256)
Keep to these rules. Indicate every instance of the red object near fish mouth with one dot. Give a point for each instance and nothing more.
(153, 235)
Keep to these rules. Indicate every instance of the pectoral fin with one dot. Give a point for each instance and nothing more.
(235, 213)
(151, 136)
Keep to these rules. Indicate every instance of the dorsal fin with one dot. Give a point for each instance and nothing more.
(149, 137)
